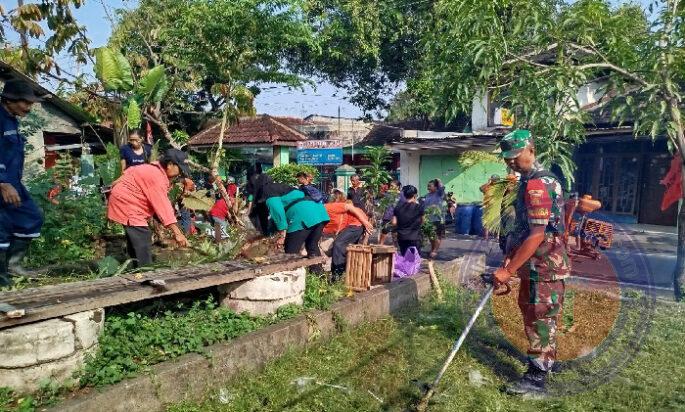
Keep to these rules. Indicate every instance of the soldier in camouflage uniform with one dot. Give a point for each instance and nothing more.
(535, 250)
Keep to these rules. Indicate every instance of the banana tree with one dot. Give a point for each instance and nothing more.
(136, 100)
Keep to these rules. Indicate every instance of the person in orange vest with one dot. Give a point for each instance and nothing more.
(348, 224)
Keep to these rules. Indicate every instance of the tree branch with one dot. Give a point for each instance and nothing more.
(613, 67)
(165, 129)
(530, 54)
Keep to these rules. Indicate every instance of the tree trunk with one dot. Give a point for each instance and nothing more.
(679, 271)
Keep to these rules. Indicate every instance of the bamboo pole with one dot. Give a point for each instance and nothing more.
(434, 280)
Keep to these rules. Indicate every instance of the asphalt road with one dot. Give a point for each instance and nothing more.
(639, 256)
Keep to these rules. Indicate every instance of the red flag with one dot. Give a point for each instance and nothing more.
(673, 182)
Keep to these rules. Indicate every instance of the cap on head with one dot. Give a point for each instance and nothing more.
(514, 142)
(179, 158)
(15, 89)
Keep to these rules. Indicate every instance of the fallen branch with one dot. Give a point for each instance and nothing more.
(434, 280)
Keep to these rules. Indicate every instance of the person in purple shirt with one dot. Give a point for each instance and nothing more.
(434, 206)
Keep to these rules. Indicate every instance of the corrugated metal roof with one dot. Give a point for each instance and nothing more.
(79, 115)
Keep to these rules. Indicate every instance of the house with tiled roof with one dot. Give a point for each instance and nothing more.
(264, 137)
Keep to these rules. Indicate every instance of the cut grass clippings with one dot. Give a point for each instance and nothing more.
(382, 366)
(587, 319)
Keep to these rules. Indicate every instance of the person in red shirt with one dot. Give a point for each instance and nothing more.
(142, 192)
(347, 224)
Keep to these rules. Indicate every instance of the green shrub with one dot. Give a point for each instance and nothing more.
(287, 174)
(130, 343)
(71, 227)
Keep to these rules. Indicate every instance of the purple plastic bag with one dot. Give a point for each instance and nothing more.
(407, 265)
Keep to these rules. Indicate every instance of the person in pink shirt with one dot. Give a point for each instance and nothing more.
(142, 192)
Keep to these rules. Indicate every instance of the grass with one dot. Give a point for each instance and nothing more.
(381, 366)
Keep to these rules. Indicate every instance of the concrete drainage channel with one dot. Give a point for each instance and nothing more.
(191, 376)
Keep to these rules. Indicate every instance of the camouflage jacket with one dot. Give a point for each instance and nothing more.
(540, 201)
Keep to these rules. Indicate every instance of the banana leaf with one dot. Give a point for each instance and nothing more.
(113, 70)
(197, 200)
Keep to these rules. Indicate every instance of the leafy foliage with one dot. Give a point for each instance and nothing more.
(71, 226)
(376, 174)
(499, 198)
(287, 174)
(133, 117)
(113, 70)
(153, 85)
(319, 294)
(131, 343)
(198, 200)
(64, 34)
(532, 56)
(134, 341)
(367, 48)
(473, 157)
(108, 165)
(207, 46)
(428, 231)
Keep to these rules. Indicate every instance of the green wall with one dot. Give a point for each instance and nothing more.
(464, 184)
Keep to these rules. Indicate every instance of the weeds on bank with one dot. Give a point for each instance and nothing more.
(132, 342)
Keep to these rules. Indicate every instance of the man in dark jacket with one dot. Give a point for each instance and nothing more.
(20, 218)
(356, 193)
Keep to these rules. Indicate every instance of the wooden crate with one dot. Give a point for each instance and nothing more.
(368, 265)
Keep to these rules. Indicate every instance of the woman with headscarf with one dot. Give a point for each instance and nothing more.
(298, 219)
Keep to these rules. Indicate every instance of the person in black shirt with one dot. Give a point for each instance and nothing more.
(407, 220)
(135, 152)
(356, 193)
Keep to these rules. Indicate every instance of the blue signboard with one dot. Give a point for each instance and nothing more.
(320, 157)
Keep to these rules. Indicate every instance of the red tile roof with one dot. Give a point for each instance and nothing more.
(262, 129)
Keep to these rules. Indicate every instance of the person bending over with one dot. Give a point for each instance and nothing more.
(347, 224)
(141, 193)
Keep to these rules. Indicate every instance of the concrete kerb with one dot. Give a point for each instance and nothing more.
(191, 376)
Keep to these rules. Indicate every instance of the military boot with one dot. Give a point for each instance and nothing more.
(15, 254)
(531, 384)
(5, 279)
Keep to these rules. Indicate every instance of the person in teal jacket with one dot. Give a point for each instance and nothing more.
(299, 221)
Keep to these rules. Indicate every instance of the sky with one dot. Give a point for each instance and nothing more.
(324, 100)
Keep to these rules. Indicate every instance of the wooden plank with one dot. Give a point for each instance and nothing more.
(112, 284)
(55, 302)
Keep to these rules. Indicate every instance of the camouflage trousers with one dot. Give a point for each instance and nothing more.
(541, 304)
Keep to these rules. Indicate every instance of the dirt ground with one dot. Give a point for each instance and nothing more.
(587, 320)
